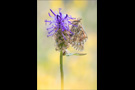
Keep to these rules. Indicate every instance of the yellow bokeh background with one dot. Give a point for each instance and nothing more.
(80, 72)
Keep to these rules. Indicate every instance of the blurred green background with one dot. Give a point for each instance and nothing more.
(80, 72)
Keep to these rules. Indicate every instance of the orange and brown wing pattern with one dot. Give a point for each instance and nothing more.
(79, 38)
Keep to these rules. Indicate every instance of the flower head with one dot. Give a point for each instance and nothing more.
(59, 21)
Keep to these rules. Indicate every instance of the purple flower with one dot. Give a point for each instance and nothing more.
(59, 22)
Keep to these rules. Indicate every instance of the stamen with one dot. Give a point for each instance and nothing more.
(63, 36)
(59, 10)
(66, 16)
(50, 28)
(50, 31)
(53, 33)
(47, 21)
(52, 12)
(49, 14)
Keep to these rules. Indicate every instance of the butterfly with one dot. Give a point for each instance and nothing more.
(79, 36)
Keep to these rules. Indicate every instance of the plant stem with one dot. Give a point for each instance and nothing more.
(61, 70)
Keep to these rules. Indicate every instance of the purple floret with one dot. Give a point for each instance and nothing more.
(59, 21)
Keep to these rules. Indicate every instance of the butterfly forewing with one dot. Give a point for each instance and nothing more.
(79, 37)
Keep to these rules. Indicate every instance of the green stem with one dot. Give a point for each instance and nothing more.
(61, 70)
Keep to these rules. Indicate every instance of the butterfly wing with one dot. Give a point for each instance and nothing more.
(79, 38)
